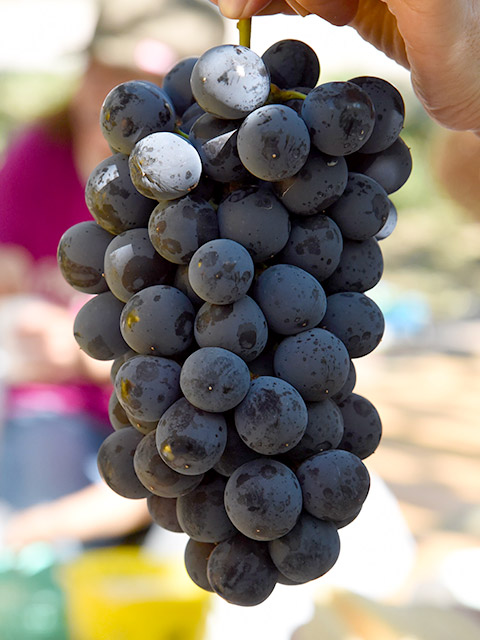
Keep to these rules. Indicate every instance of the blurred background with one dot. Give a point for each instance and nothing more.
(417, 550)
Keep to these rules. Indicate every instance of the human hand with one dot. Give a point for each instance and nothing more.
(438, 40)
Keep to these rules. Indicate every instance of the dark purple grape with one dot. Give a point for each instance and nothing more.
(196, 559)
(177, 228)
(97, 327)
(363, 427)
(334, 484)
(190, 116)
(349, 385)
(133, 110)
(241, 571)
(215, 139)
(163, 512)
(181, 281)
(357, 320)
(131, 264)
(176, 84)
(115, 463)
(315, 244)
(340, 117)
(214, 379)
(391, 167)
(272, 417)
(201, 513)
(389, 112)
(360, 267)
(116, 413)
(363, 208)
(80, 256)
(221, 271)
(112, 199)
(255, 218)
(263, 499)
(158, 320)
(389, 226)
(189, 440)
(239, 327)
(236, 451)
(301, 309)
(158, 477)
(273, 142)
(147, 385)
(230, 81)
(308, 551)
(292, 63)
(318, 184)
(315, 362)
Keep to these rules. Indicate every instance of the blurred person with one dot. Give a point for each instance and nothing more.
(438, 40)
(55, 409)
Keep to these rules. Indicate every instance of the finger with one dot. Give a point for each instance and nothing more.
(238, 9)
(337, 12)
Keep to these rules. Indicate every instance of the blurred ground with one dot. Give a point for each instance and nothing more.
(427, 394)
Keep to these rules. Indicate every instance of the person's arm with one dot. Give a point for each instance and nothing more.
(92, 513)
(438, 40)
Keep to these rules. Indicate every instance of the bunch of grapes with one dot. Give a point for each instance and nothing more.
(235, 230)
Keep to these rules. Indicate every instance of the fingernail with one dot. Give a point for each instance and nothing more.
(232, 8)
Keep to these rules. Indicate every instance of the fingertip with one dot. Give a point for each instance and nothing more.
(337, 12)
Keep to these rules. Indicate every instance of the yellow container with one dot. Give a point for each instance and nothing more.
(123, 593)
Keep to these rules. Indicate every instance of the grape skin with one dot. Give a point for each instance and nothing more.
(363, 427)
(196, 558)
(292, 63)
(163, 512)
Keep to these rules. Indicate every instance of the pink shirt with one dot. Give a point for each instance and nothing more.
(41, 196)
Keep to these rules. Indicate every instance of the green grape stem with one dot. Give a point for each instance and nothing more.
(244, 27)
(282, 95)
(179, 132)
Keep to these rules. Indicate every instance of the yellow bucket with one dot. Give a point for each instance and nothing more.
(124, 593)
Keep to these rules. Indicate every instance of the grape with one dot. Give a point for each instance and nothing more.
(315, 362)
(177, 228)
(190, 116)
(163, 512)
(215, 139)
(182, 282)
(241, 571)
(157, 476)
(176, 84)
(158, 320)
(112, 199)
(349, 385)
(221, 271)
(363, 208)
(116, 413)
(196, 558)
(189, 440)
(133, 110)
(143, 426)
(214, 379)
(356, 319)
(115, 463)
(391, 168)
(302, 309)
(201, 513)
(340, 117)
(164, 166)
(230, 81)
(389, 226)
(324, 431)
(263, 499)
(239, 327)
(131, 264)
(318, 184)
(80, 256)
(334, 484)
(315, 244)
(255, 218)
(292, 63)
(360, 267)
(236, 451)
(147, 385)
(96, 327)
(308, 551)
(263, 364)
(389, 112)
(273, 142)
(272, 417)
(363, 427)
